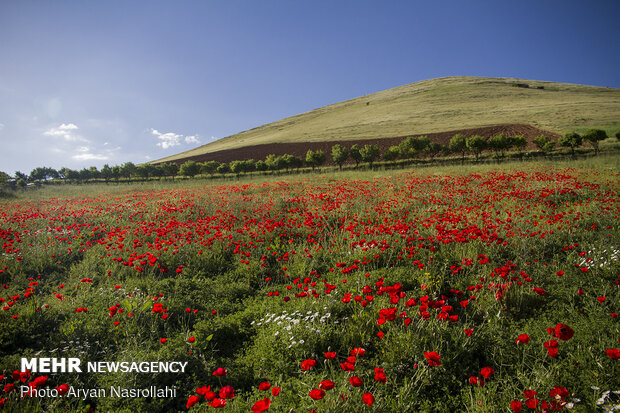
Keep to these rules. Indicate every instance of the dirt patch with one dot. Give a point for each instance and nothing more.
(259, 152)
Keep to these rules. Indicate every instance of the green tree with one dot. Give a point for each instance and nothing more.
(354, 153)
(434, 148)
(171, 169)
(21, 175)
(571, 140)
(189, 168)
(236, 167)
(540, 141)
(315, 158)
(223, 168)
(260, 165)
(339, 155)
(500, 144)
(106, 172)
(370, 153)
(476, 144)
(295, 161)
(128, 169)
(209, 167)
(272, 162)
(412, 147)
(458, 143)
(519, 142)
(594, 136)
(392, 153)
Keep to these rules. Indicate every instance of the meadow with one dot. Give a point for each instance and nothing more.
(492, 288)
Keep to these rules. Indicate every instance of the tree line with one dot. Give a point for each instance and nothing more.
(408, 148)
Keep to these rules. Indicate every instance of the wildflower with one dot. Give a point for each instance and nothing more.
(227, 392)
(327, 385)
(307, 364)
(355, 381)
(261, 405)
(316, 394)
(368, 398)
(433, 358)
(192, 400)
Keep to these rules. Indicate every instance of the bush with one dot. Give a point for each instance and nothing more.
(572, 140)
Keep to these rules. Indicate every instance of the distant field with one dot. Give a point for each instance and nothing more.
(439, 105)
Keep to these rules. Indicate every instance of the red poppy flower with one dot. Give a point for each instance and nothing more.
(347, 366)
(330, 355)
(308, 364)
(433, 358)
(191, 339)
(563, 332)
(316, 394)
(276, 391)
(468, 332)
(515, 405)
(380, 375)
(355, 381)
(206, 392)
(522, 339)
(261, 405)
(613, 353)
(220, 372)
(368, 398)
(192, 400)
(327, 385)
(227, 392)
(358, 351)
(163, 340)
(62, 389)
(264, 386)
(487, 372)
(217, 403)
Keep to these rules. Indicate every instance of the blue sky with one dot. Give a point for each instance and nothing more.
(92, 82)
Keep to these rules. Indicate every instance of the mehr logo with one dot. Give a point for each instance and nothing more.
(52, 365)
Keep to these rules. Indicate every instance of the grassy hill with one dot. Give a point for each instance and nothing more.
(438, 105)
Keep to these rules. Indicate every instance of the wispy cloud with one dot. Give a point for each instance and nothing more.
(192, 139)
(171, 139)
(67, 131)
(1, 126)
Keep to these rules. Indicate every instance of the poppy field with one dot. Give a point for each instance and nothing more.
(492, 289)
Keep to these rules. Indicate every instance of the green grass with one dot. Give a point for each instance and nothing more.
(439, 105)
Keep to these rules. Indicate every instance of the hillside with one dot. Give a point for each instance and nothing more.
(437, 105)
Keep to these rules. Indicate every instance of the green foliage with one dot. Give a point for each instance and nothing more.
(571, 140)
(190, 168)
(392, 153)
(209, 167)
(355, 154)
(339, 155)
(370, 153)
(476, 144)
(412, 147)
(500, 143)
(458, 144)
(315, 158)
(223, 168)
(594, 136)
(519, 142)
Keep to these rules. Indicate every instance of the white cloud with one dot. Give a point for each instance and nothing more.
(170, 139)
(167, 140)
(192, 139)
(67, 131)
